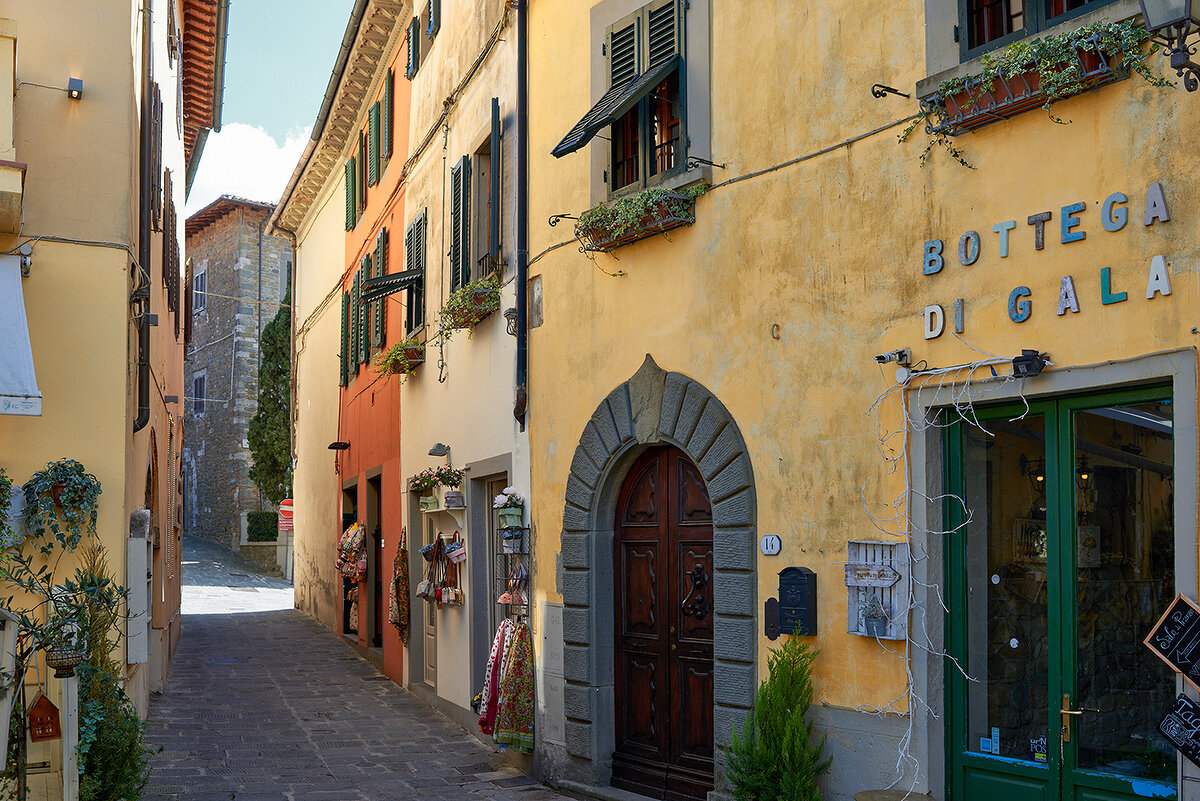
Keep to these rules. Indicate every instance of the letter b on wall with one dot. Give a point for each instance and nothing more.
(933, 257)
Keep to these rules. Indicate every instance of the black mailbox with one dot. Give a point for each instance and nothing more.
(798, 601)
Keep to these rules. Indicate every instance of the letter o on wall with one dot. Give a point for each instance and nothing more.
(968, 248)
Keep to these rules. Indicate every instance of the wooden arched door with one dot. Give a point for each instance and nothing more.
(663, 568)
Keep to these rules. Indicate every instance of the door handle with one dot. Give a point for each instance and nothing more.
(1066, 714)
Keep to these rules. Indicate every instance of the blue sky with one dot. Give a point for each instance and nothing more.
(279, 55)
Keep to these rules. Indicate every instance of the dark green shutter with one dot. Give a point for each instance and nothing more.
(456, 226)
(351, 208)
(355, 328)
(494, 194)
(381, 304)
(344, 351)
(389, 100)
(364, 335)
(434, 12)
(362, 169)
(373, 157)
(414, 47)
(420, 238)
(409, 264)
(465, 214)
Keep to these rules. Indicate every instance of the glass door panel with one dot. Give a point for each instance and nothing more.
(1008, 637)
(1124, 576)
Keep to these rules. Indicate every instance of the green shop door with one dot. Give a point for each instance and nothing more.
(1061, 558)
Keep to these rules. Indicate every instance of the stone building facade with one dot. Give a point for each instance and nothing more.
(237, 275)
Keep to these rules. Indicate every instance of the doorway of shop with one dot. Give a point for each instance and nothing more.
(375, 564)
(663, 568)
(1060, 560)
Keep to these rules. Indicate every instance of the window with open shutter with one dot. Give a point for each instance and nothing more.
(433, 11)
(414, 259)
(363, 319)
(344, 351)
(156, 188)
(355, 328)
(460, 223)
(373, 146)
(414, 48)
(389, 101)
(381, 246)
(351, 195)
(494, 191)
(362, 170)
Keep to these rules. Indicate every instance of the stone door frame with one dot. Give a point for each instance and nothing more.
(654, 407)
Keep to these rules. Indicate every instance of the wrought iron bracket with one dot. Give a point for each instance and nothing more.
(695, 161)
(883, 90)
(557, 218)
(1174, 41)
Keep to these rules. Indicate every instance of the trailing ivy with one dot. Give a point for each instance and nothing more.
(469, 304)
(626, 214)
(7, 535)
(62, 500)
(1056, 63)
(395, 360)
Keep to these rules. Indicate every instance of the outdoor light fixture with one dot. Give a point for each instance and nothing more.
(510, 321)
(75, 88)
(339, 446)
(1170, 23)
(1084, 475)
(439, 450)
(1029, 363)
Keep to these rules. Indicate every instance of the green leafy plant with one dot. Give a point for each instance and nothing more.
(262, 526)
(8, 537)
(269, 434)
(62, 499)
(1054, 60)
(776, 755)
(628, 214)
(469, 304)
(402, 358)
(431, 478)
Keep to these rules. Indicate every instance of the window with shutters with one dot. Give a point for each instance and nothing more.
(414, 260)
(433, 18)
(460, 223)
(199, 391)
(389, 104)
(362, 171)
(414, 48)
(373, 145)
(362, 314)
(351, 194)
(379, 307)
(344, 351)
(988, 24)
(645, 106)
(200, 289)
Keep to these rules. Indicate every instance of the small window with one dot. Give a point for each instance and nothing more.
(993, 23)
(200, 290)
(199, 392)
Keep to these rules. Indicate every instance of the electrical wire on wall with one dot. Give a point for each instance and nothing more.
(953, 389)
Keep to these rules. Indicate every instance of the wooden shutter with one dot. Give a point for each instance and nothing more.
(494, 193)
(434, 13)
(389, 100)
(623, 51)
(364, 330)
(344, 351)
(362, 170)
(662, 35)
(373, 146)
(381, 243)
(414, 48)
(419, 242)
(456, 225)
(155, 165)
(355, 328)
(414, 259)
(351, 195)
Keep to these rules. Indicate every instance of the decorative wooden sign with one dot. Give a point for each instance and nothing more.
(1182, 727)
(1175, 638)
(43, 720)
(859, 574)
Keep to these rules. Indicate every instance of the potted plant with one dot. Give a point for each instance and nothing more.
(628, 219)
(62, 498)
(401, 359)
(428, 480)
(511, 506)
(470, 304)
(875, 617)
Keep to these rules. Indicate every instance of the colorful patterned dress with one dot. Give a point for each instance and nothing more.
(514, 727)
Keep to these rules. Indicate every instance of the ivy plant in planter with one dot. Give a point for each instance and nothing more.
(62, 499)
(468, 305)
(8, 537)
(401, 359)
(628, 219)
(1032, 73)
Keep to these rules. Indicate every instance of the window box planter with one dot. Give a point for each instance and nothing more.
(983, 100)
(480, 302)
(401, 359)
(655, 215)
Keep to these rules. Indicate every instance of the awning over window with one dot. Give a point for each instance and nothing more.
(383, 285)
(616, 102)
(18, 385)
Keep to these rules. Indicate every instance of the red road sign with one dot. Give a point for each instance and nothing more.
(285, 508)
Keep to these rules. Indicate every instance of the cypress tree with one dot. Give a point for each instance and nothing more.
(269, 434)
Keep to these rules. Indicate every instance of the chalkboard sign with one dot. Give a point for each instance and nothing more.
(1176, 639)
(1182, 727)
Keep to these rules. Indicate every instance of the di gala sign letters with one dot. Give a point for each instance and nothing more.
(1069, 224)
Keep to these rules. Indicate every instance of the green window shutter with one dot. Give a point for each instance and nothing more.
(351, 207)
(464, 247)
(381, 304)
(389, 100)
(362, 170)
(414, 47)
(419, 258)
(494, 194)
(373, 157)
(344, 351)
(409, 260)
(364, 331)
(662, 34)
(355, 328)
(456, 226)
(434, 9)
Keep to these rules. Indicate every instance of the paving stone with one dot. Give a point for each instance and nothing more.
(298, 715)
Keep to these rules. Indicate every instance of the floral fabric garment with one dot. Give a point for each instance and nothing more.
(490, 697)
(352, 553)
(398, 608)
(514, 727)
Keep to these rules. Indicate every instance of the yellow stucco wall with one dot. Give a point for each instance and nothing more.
(830, 250)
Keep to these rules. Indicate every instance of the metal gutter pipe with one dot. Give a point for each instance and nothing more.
(522, 398)
(140, 298)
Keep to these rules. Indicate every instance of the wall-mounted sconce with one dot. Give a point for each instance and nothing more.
(510, 321)
(1028, 364)
(339, 446)
(1170, 23)
(439, 450)
(75, 88)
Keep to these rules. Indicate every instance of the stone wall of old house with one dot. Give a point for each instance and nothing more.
(247, 273)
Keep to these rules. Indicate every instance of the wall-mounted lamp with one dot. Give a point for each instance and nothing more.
(510, 321)
(1029, 363)
(439, 450)
(75, 88)
(1170, 23)
(339, 446)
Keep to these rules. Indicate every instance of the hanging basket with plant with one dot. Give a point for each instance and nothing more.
(63, 499)
(401, 359)
(468, 305)
(628, 219)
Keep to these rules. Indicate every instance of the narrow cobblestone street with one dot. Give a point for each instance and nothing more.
(265, 704)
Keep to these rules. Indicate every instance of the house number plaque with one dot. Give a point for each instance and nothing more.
(770, 544)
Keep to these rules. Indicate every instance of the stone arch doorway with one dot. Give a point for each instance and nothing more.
(654, 408)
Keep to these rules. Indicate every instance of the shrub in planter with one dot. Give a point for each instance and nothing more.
(628, 219)
(776, 755)
(262, 526)
(401, 359)
(470, 304)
